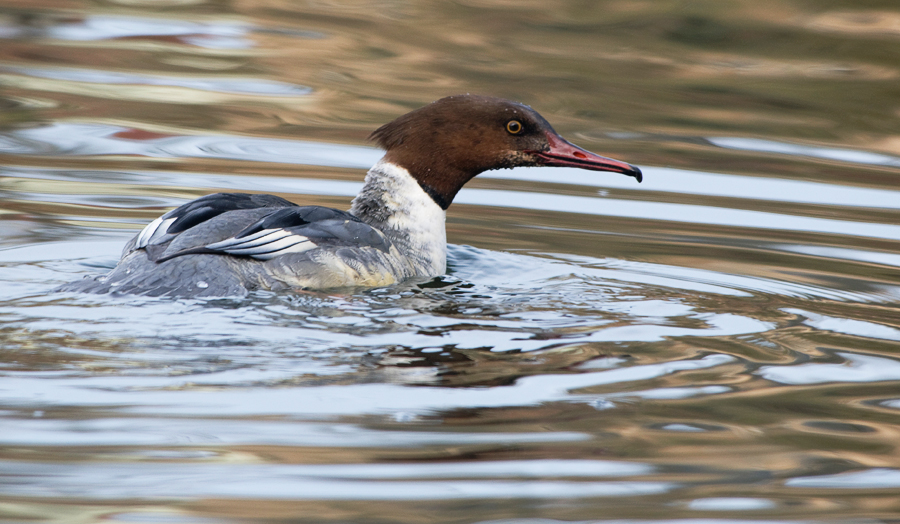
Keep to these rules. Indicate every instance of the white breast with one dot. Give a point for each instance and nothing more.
(392, 201)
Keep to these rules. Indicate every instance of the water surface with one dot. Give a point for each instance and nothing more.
(717, 344)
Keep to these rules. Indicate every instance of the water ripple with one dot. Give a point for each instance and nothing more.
(213, 34)
(219, 84)
(140, 431)
(859, 328)
(828, 153)
(704, 347)
(337, 400)
(311, 482)
(100, 139)
(876, 478)
(856, 368)
(688, 213)
(685, 181)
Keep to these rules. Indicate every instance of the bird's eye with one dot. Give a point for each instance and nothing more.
(514, 127)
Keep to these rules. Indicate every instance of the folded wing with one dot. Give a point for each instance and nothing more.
(262, 227)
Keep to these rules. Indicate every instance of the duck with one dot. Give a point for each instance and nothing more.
(231, 244)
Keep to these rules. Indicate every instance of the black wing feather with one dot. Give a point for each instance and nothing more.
(294, 217)
(209, 206)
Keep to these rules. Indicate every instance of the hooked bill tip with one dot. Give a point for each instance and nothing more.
(638, 175)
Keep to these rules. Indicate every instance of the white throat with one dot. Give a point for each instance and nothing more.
(392, 201)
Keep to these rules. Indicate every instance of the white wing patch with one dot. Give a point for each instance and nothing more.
(265, 245)
(154, 229)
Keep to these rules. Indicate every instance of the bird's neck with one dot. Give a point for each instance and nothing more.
(393, 202)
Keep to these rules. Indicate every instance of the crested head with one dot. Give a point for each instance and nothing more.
(447, 143)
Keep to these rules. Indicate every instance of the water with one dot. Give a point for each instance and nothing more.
(717, 344)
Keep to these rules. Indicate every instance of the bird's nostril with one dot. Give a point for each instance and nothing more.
(579, 154)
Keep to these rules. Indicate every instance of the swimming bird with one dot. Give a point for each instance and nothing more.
(228, 244)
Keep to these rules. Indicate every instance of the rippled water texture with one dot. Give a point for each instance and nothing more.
(717, 344)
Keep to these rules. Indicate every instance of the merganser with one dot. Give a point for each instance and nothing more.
(228, 244)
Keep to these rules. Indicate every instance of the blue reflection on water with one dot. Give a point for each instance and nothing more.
(876, 478)
(856, 368)
(173, 431)
(827, 153)
(221, 84)
(211, 34)
(690, 182)
(330, 482)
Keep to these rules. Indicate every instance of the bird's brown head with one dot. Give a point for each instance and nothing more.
(448, 142)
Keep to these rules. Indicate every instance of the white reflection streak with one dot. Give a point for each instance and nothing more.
(670, 393)
(731, 504)
(332, 482)
(219, 84)
(874, 257)
(828, 153)
(857, 368)
(136, 431)
(689, 182)
(110, 27)
(538, 468)
(847, 326)
(720, 324)
(685, 213)
(876, 478)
